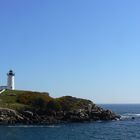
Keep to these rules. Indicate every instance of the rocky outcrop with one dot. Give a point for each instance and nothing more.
(84, 115)
(89, 113)
(9, 116)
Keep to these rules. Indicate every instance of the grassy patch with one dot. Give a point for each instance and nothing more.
(19, 99)
(9, 99)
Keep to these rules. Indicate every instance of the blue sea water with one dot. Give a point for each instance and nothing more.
(125, 129)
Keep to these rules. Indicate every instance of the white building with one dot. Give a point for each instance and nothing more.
(10, 81)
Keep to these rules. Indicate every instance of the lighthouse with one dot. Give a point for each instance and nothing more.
(11, 80)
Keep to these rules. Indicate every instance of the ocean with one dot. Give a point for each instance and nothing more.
(128, 128)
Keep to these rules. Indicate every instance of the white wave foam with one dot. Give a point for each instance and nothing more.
(130, 116)
(30, 126)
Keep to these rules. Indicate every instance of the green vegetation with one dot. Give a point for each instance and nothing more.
(33, 98)
(69, 103)
(8, 99)
(20, 100)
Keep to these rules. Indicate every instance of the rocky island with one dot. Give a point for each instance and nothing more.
(27, 107)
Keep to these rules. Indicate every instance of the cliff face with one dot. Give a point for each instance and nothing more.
(40, 108)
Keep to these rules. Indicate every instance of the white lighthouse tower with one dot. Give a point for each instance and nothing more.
(11, 80)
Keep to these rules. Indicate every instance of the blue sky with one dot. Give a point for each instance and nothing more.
(83, 48)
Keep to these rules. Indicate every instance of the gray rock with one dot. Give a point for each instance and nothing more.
(9, 116)
(28, 113)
